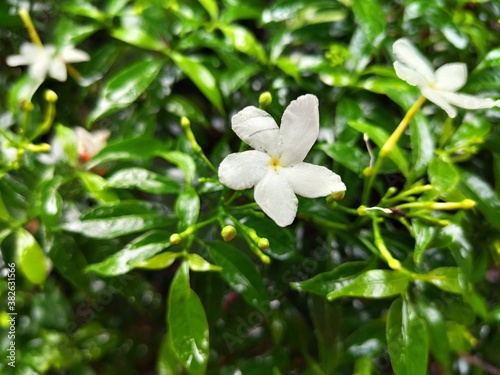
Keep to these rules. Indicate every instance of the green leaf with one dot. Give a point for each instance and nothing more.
(443, 175)
(244, 41)
(134, 254)
(422, 145)
(187, 208)
(438, 339)
(167, 362)
(472, 131)
(446, 278)
(373, 284)
(160, 261)
(139, 38)
(379, 136)
(461, 249)
(22, 91)
(371, 18)
(51, 202)
(30, 257)
(424, 234)
(187, 324)
(407, 339)
(66, 137)
(144, 180)
(125, 87)
(183, 161)
(211, 7)
(488, 202)
(97, 187)
(119, 219)
(349, 156)
(241, 274)
(198, 264)
(324, 283)
(201, 77)
(84, 9)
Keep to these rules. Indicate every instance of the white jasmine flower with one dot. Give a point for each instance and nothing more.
(276, 166)
(47, 60)
(90, 143)
(438, 86)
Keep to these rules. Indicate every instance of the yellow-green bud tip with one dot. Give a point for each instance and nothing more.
(394, 264)
(265, 99)
(367, 172)
(263, 243)
(175, 238)
(338, 195)
(228, 233)
(361, 210)
(468, 203)
(28, 106)
(42, 147)
(185, 123)
(392, 190)
(50, 96)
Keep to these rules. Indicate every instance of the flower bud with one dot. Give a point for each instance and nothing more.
(394, 264)
(338, 195)
(185, 123)
(228, 233)
(265, 99)
(42, 147)
(175, 238)
(28, 106)
(361, 210)
(368, 171)
(50, 96)
(468, 204)
(263, 243)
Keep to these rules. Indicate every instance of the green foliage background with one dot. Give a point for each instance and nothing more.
(100, 288)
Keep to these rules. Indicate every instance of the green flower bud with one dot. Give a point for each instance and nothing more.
(263, 243)
(265, 99)
(368, 171)
(175, 238)
(361, 210)
(185, 123)
(394, 264)
(228, 233)
(338, 195)
(50, 96)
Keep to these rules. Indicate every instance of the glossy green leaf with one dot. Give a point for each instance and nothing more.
(407, 339)
(51, 202)
(488, 202)
(379, 136)
(244, 41)
(125, 87)
(139, 38)
(241, 274)
(183, 161)
(438, 339)
(371, 17)
(167, 361)
(83, 9)
(349, 156)
(201, 77)
(446, 278)
(373, 284)
(472, 131)
(144, 180)
(66, 137)
(134, 253)
(460, 248)
(97, 187)
(160, 261)
(324, 283)
(443, 175)
(187, 324)
(424, 234)
(30, 257)
(119, 219)
(21, 91)
(211, 7)
(198, 264)
(422, 145)
(187, 208)
(460, 338)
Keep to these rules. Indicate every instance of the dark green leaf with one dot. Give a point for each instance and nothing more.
(371, 18)
(139, 38)
(241, 274)
(443, 175)
(124, 87)
(187, 208)
(135, 253)
(423, 236)
(407, 339)
(51, 202)
(349, 156)
(144, 180)
(373, 284)
(446, 278)
(187, 324)
(244, 41)
(438, 339)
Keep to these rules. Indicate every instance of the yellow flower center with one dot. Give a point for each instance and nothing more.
(275, 163)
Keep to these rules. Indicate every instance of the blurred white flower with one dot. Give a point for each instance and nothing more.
(90, 143)
(438, 86)
(47, 60)
(276, 166)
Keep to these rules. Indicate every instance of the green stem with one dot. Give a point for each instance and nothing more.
(28, 23)
(389, 145)
(384, 251)
(186, 124)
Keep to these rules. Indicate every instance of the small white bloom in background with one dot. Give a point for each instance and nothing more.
(276, 166)
(90, 143)
(438, 86)
(47, 60)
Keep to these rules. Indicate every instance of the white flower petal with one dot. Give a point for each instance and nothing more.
(437, 98)
(57, 69)
(17, 60)
(243, 170)
(312, 181)
(408, 75)
(257, 128)
(408, 55)
(39, 69)
(276, 198)
(468, 101)
(451, 77)
(73, 55)
(99, 140)
(299, 129)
